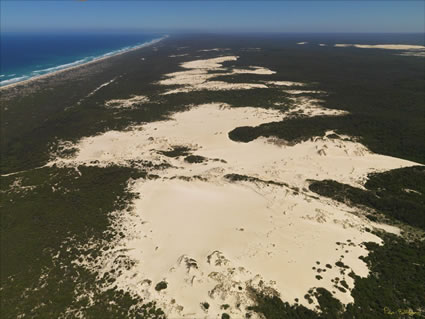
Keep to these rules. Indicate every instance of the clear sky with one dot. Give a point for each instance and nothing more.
(214, 16)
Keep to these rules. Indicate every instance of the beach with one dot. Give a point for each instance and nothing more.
(74, 65)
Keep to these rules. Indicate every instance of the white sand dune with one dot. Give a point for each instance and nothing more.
(126, 103)
(285, 83)
(303, 92)
(413, 53)
(255, 232)
(197, 77)
(407, 49)
(217, 86)
(178, 55)
(341, 45)
(214, 50)
(307, 106)
(210, 238)
(253, 70)
(383, 46)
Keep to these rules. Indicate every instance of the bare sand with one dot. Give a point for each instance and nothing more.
(285, 83)
(214, 50)
(406, 50)
(127, 103)
(198, 77)
(383, 46)
(178, 55)
(303, 92)
(413, 53)
(101, 86)
(253, 70)
(210, 238)
(206, 238)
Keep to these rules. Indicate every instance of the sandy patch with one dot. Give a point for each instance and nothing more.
(388, 228)
(197, 73)
(214, 50)
(254, 70)
(285, 83)
(307, 106)
(197, 76)
(383, 46)
(413, 53)
(178, 55)
(208, 64)
(101, 86)
(218, 86)
(210, 238)
(303, 92)
(17, 187)
(302, 43)
(322, 45)
(251, 49)
(126, 103)
(409, 50)
(121, 147)
(211, 242)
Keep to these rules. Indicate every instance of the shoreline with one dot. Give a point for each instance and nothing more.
(101, 58)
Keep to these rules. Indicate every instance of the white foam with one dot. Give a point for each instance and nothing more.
(13, 80)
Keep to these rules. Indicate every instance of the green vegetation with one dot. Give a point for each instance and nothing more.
(396, 282)
(270, 98)
(378, 134)
(194, 159)
(383, 92)
(205, 305)
(272, 307)
(238, 177)
(394, 288)
(51, 212)
(399, 194)
(161, 286)
(177, 151)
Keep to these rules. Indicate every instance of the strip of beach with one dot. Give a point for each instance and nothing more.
(73, 67)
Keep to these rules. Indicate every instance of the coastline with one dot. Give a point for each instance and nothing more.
(73, 67)
(270, 145)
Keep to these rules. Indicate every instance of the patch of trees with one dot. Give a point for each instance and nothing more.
(399, 194)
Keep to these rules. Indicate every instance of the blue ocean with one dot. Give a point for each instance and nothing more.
(26, 55)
